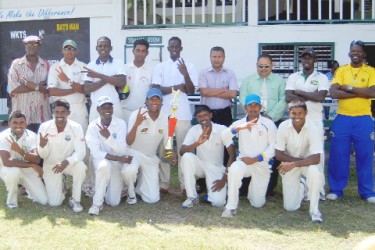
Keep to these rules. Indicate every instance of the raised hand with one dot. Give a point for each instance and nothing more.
(248, 125)
(61, 75)
(14, 146)
(43, 140)
(104, 131)
(140, 117)
(182, 67)
(205, 134)
(91, 73)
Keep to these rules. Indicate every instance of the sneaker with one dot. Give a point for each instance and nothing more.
(88, 191)
(12, 205)
(95, 210)
(131, 200)
(228, 213)
(189, 202)
(371, 200)
(322, 197)
(76, 206)
(331, 196)
(316, 218)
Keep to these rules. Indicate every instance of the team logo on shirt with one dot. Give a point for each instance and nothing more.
(68, 138)
(114, 135)
(314, 82)
(144, 130)
(372, 136)
(161, 131)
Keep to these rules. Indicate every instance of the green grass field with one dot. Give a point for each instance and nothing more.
(166, 225)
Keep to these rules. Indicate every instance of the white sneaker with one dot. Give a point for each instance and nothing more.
(95, 210)
(131, 200)
(189, 202)
(76, 206)
(331, 196)
(228, 213)
(322, 197)
(316, 218)
(12, 205)
(371, 200)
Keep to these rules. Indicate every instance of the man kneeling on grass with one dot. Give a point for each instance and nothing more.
(256, 140)
(298, 147)
(19, 161)
(207, 162)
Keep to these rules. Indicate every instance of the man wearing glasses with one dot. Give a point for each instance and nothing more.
(65, 80)
(354, 86)
(271, 89)
(27, 84)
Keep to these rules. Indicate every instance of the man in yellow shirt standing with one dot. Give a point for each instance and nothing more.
(354, 86)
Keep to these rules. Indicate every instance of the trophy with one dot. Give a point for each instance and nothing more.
(172, 121)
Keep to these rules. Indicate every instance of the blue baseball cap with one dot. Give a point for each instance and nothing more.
(154, 92)
(252, 98)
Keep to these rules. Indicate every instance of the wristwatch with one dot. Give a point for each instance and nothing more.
(37, 87)
(350, 89)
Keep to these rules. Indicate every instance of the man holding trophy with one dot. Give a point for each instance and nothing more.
(148, 128)
(172, 75)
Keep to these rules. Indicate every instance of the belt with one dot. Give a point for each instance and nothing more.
(219, 110)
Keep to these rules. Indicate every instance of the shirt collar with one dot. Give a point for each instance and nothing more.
(269, 77)
(211, 69)
(23, 60)
(98, 61)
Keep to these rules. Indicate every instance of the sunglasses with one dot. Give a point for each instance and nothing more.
(32, 44)
(264, 66)
(69, 49)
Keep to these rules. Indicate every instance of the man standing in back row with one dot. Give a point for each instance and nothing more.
(354, 86)
(310, 86)
(27, 84)
(175, 73)
(138, 79)
(271, 89)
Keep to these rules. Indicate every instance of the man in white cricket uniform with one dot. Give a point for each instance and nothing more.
(65, 80)
(138, 79)
(310, 86)
(19, 161)
(61, 143)
(257, 147)
(148, 127)
(299, 148)
(175, 73)
(104, 75)
(105, 138)
(205, 139)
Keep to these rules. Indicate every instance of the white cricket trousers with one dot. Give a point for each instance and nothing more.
(293, 190)
(182, 128)
(260, 176)
(55, 186)
(147, 178)
(27, 177)
(322, 155)
(192, 168)
(108, 182)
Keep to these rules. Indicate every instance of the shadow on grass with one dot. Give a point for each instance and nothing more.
(341, 218)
